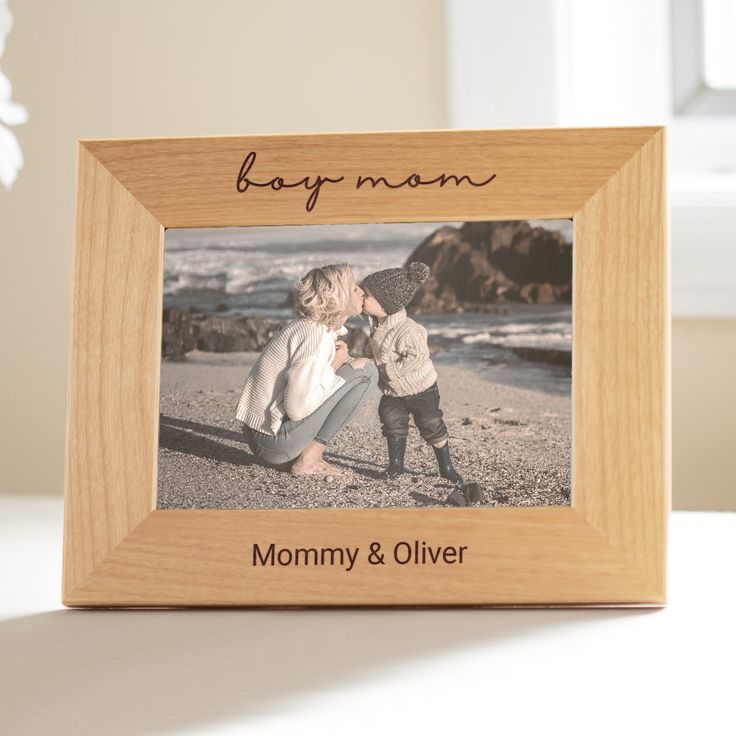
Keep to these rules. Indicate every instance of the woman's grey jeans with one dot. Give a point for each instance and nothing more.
(322, 424)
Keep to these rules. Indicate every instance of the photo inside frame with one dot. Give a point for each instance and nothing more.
(471, 365)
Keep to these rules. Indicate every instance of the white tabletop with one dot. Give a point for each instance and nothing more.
(366, 672)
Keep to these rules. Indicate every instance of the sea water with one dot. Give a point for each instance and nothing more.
(250, 272)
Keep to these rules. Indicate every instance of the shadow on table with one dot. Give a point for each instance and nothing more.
(142, 672)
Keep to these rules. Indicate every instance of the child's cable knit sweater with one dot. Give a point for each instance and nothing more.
(399, 348)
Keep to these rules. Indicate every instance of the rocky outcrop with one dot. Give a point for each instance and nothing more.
(177, 337)
(493, 263)
(185, 331)
(545, 355)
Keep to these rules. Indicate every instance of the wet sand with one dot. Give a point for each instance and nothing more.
(514, 442)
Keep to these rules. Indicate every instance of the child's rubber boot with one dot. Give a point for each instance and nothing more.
(396, 452)
(447, 470)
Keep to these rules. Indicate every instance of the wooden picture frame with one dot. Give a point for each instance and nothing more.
(607, 548)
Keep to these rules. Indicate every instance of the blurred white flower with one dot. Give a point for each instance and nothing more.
(11, 113)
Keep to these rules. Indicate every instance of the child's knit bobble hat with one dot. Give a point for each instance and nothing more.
(394, 288)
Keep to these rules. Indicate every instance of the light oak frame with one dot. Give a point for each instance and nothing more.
(607, 548)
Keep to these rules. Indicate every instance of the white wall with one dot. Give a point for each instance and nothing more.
(85, 68)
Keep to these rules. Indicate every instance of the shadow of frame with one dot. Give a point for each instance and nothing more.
(141, 672)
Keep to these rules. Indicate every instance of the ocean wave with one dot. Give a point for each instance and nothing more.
(300, 236)
(206, 282)
(538, 326)
(558, 340)
(233, 260)
(232, 272)
(524, 327)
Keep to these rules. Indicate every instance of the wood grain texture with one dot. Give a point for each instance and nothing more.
(607, 548)
(114, 371)
(190, 182)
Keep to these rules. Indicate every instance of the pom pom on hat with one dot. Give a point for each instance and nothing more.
(418, 271)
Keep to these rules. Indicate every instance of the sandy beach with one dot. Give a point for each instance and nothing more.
(515, 443)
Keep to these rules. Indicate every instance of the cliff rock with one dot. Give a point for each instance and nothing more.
(493, 263)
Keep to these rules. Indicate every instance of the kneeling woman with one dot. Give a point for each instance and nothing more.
(304, 387)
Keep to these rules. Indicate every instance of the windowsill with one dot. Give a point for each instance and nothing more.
(702, 189)
(703, 217)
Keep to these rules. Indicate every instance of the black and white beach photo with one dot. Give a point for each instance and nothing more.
(495, 306)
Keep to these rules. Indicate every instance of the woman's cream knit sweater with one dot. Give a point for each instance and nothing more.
(292, 376)
(399, 347)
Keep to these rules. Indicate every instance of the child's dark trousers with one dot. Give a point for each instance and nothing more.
(394, 413)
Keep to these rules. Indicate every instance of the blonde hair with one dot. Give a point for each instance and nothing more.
(323, 294)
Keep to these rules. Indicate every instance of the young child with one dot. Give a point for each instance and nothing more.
(406, 375)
